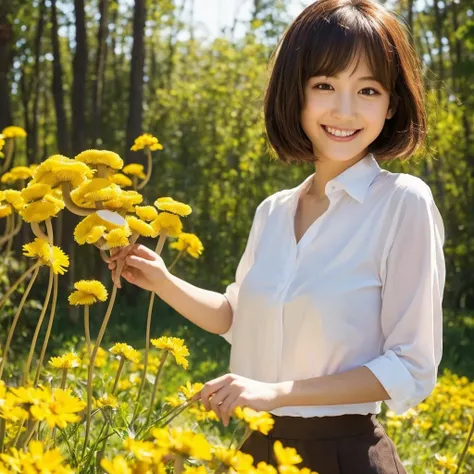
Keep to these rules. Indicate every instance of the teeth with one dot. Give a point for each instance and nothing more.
(339, 133)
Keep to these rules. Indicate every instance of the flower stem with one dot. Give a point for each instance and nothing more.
(148, 170)
(87, 330)
(35, 227)
(66, 188)
(48, 329)
(9, 147)
(466, 446)
(121, 263)
(91, 365)
(178, 464)
(11, 230)
(117, 377)
(155, 385)
(175, 261)
(16, 318)
(38, 326)
(63, 379)
(17, 283)
(3, 425)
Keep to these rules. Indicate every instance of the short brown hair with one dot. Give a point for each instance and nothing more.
(323, 40)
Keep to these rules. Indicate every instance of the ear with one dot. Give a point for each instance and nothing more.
(390, 113)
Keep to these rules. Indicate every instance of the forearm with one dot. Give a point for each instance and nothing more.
(207, 309)
(354, 386)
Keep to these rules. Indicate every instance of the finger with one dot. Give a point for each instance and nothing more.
(213, 386)
(112, 265)
(218, 398)
(123, 252)
(143, 251)
(236, 403)
(225, 409)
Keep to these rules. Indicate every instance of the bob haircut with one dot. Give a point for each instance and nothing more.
(323, 41)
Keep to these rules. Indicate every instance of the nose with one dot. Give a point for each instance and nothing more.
(343, 107)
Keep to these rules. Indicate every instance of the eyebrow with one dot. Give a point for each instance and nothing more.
(364, 78)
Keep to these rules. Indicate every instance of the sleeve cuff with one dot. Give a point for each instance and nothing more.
(396, 380)
(231, 298)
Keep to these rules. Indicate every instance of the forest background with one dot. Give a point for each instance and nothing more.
(80, 74)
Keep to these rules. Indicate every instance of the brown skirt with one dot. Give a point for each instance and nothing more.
(347, 444)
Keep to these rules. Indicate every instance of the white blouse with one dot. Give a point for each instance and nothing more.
(363, 287)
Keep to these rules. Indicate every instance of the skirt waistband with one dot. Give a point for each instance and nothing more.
(326, 427)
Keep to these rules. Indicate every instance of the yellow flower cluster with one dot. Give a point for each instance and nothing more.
(13, 132)
(189, 243)
(34, 461)
(124, 350)
(120, 179)
(17, 173)
(2, 143)
(256, 420)
(146, 141)
(94, 158)
(174, 345)
(59, 169)
(88, 292)
(94, 227)
(66, 361)
(106, 400)
(47, 254)
(40, 202)
(56, 407)
(135, 169)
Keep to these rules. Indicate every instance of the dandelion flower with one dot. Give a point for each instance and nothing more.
(139, 226)
(13, 132)
(5, 210)
(22, 172)
(126, 351)
(61, 169)
(35, 192)
(168, 223)
(174, 207)
(118, 237)
(189, 243)
(146, 141)
(47, 254)
(146, 213)
(120, 179)
(100, 157)
(88, 292)
(8, 178)
(13, 197)
(175, 346)
(134, 169)
(66, 361)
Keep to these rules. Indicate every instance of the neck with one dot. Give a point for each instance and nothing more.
(326, 170)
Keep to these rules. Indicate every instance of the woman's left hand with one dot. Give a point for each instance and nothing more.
(226, 393)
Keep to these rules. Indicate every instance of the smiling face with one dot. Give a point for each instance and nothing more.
(348, 103)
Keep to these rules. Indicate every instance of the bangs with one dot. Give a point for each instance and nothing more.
(334, 42)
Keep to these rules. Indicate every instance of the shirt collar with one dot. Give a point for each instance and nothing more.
(355, 180)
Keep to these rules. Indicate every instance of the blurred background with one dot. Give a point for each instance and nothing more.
(80, 74)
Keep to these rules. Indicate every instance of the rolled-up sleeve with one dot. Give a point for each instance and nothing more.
(246, 261)
(413, 276)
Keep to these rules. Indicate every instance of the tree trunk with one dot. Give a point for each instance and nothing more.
(79, 81)
(135, 111)
(58, 89)
(98, 82)
(36, 82)
(6, 59)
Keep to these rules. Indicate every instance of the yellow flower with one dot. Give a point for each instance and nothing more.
(124, 350)
(59, 169)
(113, 191)
(60, 410)
(256, 420)
(88, 292)
(34, 192)
(195, 470)
(22, 172)
(174, 401)
(36, 460)
(84, 231)
(264, 468)
(47, 254)
(120, 179)
(145, 451)
(448, 462)
(189, 390)
(13, 197)
(2, 142)
(286, 456)
(5, 210)
(118, 465)
(146, 141)
(125, 201)
(175, 346)
(66, 361)
(174, 207)
(190, 444)
(146, 213)
(100, 157)
(140, 227)
(107, 400)
(8, 178)
(118, 237)
(13, 132)
(134, 169)
(202, 414)
(168, 223)
(39, 211)
(189, 243)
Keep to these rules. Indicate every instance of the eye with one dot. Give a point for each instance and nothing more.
(375, 92)
(316, 86)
